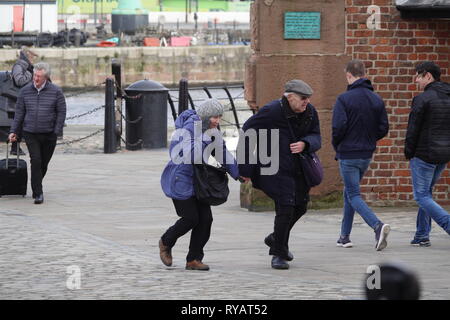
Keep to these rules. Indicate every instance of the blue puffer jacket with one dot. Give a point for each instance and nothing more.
(177, 178)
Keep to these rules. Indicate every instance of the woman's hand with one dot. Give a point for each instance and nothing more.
(297, 147)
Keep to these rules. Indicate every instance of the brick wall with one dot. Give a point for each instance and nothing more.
(390, 54)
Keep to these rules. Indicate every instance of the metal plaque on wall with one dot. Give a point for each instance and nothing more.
(302, 25)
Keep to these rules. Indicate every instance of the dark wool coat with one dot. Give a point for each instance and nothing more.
(286, 186)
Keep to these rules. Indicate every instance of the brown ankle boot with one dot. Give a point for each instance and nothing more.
(196, 265)
(165, 253)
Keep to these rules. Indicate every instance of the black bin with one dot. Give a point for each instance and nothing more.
(146, 113)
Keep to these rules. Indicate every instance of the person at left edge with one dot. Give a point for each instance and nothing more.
(39, 118)
(22, 73)
(178, 184)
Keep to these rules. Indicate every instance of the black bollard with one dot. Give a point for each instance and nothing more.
(183, 98)
(110, 118)
(116, 66)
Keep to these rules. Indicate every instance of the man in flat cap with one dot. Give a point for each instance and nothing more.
(296, 123)
(359, 121)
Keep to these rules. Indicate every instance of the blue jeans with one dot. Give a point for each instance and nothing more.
(424, 177)
(352, 171)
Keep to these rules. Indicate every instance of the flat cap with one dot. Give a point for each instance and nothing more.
(299, 87)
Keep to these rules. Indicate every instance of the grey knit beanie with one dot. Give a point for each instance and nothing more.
(209, 108)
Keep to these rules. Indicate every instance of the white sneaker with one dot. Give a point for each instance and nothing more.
(344, 242)
(381, 235)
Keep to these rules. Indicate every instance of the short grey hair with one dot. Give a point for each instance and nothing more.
(287, 94)
(43, 66)
(356, 68)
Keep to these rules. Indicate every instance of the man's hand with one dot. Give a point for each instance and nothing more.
(12, 137)
(297, 147)
(244, 179)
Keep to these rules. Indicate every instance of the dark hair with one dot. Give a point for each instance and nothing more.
(356, 68)
(431, 67)
(397, 283)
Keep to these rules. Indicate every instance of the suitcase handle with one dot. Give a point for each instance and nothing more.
(7, 153)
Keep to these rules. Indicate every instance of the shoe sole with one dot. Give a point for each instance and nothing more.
(196, 269)
(421, 244)
(382, 242)
(281, 267)
(347, 245)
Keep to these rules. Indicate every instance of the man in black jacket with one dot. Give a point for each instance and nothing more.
(40, 115)
(427, 146)
(291, 115)
(359, 121)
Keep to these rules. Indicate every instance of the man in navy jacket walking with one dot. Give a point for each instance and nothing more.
(359, 121)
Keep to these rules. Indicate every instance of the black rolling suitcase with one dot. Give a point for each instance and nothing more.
(13, 175)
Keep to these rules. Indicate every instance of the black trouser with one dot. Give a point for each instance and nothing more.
(41, 147)
(285, 219)
(195, 216)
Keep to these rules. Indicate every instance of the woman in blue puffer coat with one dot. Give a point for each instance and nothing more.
(195, 131)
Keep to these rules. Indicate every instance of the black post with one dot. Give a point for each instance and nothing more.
(233, 107)
(183, 96)
(207, 92)
(117, 72)
(172, 107)
(110, 118)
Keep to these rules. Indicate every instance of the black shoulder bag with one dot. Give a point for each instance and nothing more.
(210, 184)
(309, 162)
(7, 86)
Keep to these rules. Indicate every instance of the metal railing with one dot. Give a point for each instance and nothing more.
(229, 101)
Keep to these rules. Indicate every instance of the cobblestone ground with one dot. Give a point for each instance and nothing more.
(35, 257)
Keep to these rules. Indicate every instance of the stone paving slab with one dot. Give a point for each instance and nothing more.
(104, 213)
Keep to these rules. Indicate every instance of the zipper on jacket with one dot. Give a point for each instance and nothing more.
(37, 111)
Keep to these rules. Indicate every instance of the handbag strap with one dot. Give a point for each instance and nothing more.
(291, 131)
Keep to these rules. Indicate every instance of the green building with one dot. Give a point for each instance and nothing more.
(106, 6)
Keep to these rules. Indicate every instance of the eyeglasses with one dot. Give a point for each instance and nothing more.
(421, 75)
